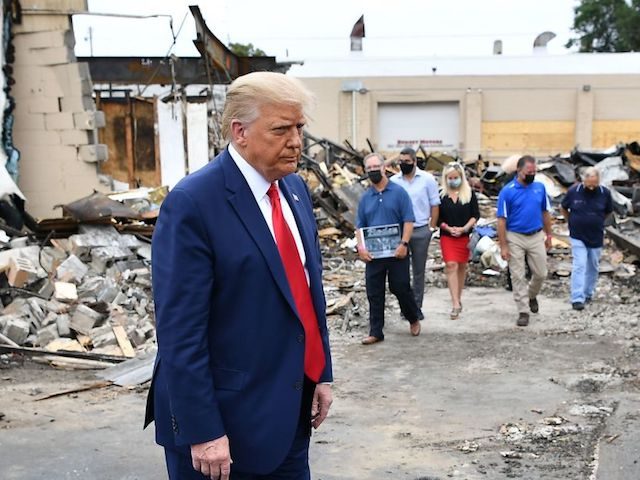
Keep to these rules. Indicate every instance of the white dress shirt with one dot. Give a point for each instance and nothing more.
(424, 193)
(259, 187)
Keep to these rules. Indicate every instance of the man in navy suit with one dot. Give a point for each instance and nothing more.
(243, 366)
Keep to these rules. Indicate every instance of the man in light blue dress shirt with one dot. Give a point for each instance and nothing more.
(425, 199)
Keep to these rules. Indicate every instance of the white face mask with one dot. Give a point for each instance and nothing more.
(454, 182)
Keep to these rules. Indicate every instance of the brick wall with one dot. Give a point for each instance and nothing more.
(55, 113)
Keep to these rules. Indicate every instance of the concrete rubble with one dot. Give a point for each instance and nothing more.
(73, 296)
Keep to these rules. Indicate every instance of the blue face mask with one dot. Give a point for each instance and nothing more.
(454, 182)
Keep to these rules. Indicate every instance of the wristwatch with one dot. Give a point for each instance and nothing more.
(402, 242)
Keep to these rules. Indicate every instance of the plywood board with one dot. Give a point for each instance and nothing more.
(172, 154)
(197, 136)
(536, 137)
(606, 133)
(123, 341)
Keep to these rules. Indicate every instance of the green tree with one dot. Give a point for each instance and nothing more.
(246, 50)
(607, 26)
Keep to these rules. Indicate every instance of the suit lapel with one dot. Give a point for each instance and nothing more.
(243, 202)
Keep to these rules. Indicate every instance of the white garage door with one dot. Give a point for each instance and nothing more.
(434, 125)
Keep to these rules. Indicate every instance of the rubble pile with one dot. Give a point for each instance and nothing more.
(335, 176)
(87, 292)
(83, 282)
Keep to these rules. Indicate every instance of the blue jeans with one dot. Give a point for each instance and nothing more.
(584, 274)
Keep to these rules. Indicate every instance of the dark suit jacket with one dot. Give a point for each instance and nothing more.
(230, 342)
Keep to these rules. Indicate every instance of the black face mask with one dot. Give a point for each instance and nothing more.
(375, 176)
(422, 163)
(406, 168)
(528, 179)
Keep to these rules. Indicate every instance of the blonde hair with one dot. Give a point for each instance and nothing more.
(248, 93)
(464, 195)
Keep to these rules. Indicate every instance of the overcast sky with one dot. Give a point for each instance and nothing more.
(303, 29)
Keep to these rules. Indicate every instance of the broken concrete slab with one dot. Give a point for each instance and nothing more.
(46, 290)
(144, 251)
(104, 257)
(90, 287)
(36, 309)
(16, 329)
(63, 323)
(123, 266)
(72, 270)
(129, 241)
(19, 308)
(102, 338)
(47, 335)
(84, 319)
(21, 272)
(50, 319)
(137, 336)
(56, 306)
(109, 292)
(148, 330)
(50, 258)
(65, 292)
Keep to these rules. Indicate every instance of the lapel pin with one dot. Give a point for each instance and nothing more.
(295, 197)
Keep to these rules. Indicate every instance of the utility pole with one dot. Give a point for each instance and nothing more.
(90, 38)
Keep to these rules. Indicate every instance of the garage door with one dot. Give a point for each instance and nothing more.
(434, 125)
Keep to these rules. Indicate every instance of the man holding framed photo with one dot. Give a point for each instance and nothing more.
(385, 216)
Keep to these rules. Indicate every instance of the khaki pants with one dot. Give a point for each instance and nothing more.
(532, 248)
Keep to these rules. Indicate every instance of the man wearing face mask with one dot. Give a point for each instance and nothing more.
(425, 199)
(386, 203)
(586, 206)
(524, 232)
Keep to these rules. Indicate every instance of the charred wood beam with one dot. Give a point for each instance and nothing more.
(40, 352)
(139, 70)
(227, 63)
(624, 241)
(338, 147)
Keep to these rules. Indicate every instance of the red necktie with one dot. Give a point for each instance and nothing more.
(314, 360)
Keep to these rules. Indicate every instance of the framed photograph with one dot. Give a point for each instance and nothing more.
(382, 241)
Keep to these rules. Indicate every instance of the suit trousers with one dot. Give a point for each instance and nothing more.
(530, 248)
(294, 467)
(397, 270)
(419, 250)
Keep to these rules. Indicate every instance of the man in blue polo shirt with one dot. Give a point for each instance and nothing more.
(524, 232)
(386, 203)
(586, 206)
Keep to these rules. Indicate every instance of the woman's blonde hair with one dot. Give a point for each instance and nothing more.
(248, 93)
(464, 193)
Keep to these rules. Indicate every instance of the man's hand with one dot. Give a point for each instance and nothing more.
(401, 251)
(505, 253)
(364, 254)
(547, 242)
(212, 459)
(322, 400)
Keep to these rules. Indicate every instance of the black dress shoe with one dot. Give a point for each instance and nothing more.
(523, 320)
(533, 305)
(588, 300)
(578, 305)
